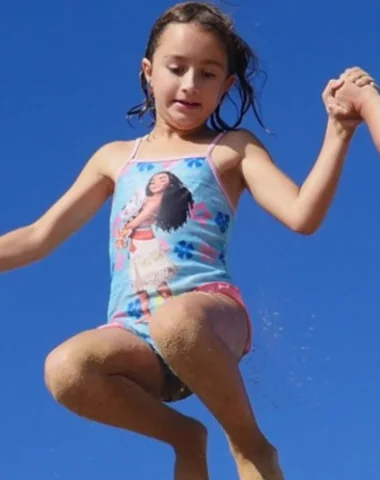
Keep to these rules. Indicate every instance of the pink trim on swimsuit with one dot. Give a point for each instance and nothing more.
(215, 170)
(233, 292)
(215, 287)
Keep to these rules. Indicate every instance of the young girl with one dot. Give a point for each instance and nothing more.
(177, 325)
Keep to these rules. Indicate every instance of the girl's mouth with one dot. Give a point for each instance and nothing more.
(187, 105)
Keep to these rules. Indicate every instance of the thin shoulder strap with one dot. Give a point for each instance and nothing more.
(136, 148)
(214, 143)
(132, 155)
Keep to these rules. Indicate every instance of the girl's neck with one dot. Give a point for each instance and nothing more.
(163, 131)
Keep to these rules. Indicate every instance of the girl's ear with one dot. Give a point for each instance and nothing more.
(146, 68)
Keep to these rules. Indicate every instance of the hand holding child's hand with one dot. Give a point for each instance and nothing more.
(344, 98)
(358, 88)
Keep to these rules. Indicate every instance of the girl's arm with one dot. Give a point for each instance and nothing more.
(33, 242)
(300, 208)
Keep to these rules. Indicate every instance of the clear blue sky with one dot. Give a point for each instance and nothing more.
(69, 71)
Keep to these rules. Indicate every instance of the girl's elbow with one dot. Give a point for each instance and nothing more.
(304, 228)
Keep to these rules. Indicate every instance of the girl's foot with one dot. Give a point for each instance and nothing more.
(262, 465)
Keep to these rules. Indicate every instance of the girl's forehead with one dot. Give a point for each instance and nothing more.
(189, 39)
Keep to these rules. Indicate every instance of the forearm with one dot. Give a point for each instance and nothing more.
(18, 248)
(318, 190)
(371, 115)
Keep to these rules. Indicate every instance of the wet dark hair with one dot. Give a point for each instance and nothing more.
(176, 205)
(243, 62)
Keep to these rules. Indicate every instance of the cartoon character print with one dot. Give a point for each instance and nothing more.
(127, 212)
(166, 205)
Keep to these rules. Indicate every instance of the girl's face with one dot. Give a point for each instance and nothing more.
(188, 76)
(159, 183)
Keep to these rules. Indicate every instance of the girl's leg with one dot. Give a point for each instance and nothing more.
(202, 337)
(111, 376)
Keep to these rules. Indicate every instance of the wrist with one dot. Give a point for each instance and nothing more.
(370, 103)
(337, 131)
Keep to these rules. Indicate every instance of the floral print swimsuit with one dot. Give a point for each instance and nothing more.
(170, 226)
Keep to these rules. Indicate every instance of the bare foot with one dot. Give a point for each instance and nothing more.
(261, 466)
(191, 455)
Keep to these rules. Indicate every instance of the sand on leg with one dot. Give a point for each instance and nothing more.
(113, 377)
(202, 338)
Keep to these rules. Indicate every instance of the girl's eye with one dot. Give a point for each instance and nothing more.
(181, 71)
(176, 70)
(209, 75)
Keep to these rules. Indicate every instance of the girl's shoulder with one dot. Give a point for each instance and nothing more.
(232, 148)
(238, 139)
(112, 157)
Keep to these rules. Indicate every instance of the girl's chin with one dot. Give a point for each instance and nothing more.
(185, 123)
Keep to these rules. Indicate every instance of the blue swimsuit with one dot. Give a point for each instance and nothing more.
(170, 227)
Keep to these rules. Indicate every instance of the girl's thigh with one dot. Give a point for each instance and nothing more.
(113, 351)
(190, 313)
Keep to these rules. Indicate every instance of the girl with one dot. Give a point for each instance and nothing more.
(195, 338)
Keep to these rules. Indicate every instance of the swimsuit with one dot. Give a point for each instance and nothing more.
(170, 226)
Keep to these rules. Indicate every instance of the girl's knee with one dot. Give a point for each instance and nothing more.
(65, 372)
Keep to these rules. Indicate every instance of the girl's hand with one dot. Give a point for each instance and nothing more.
(342, 113)
(358, 89)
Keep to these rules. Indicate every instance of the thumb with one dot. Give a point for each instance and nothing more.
(331, 88)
